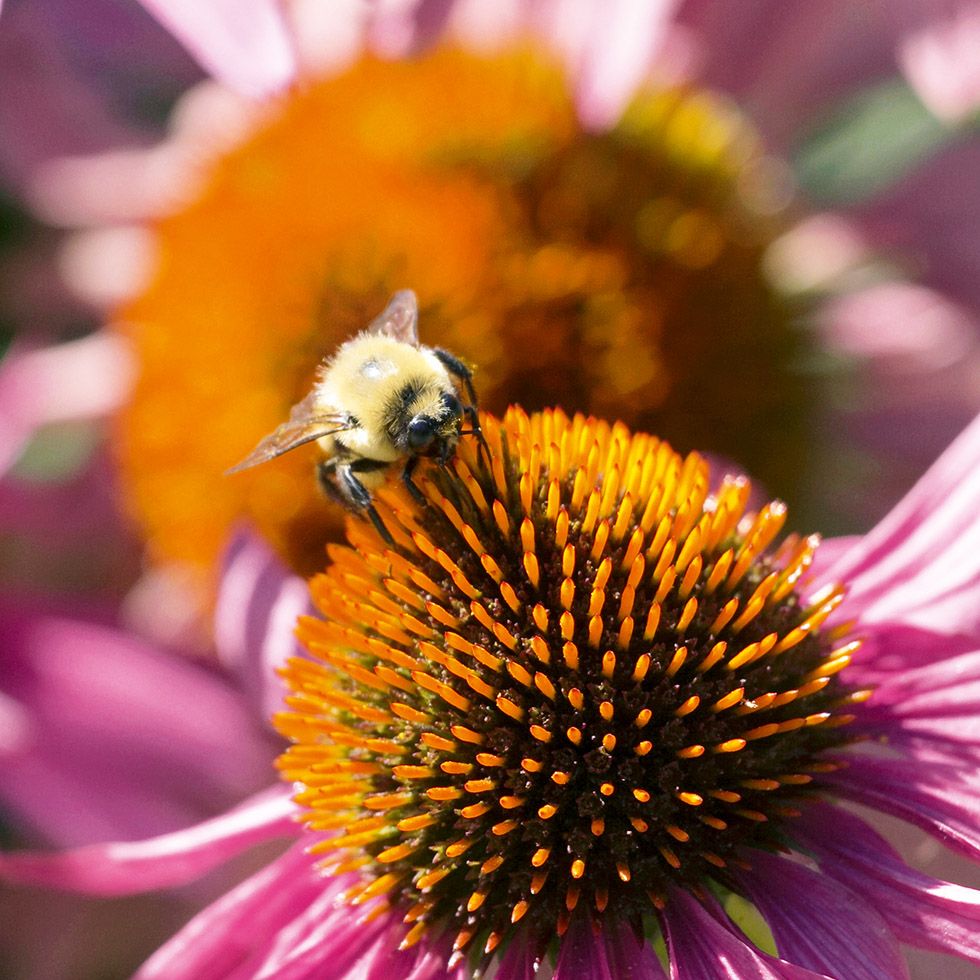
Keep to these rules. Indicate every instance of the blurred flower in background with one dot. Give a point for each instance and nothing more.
(754, 234)
(583, 244)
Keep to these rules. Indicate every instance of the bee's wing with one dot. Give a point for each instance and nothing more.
(400, 319)
(306, 423)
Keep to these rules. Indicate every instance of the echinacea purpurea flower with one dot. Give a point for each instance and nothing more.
(580, 681)
(615, 272)
(406, 645)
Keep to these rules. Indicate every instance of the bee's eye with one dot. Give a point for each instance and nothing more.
(420, 433)
(453, 406)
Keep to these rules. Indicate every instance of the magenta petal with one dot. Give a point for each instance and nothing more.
(103, 755)
(346, 944)
(701, 946)
(940, 700)
(520, 960)
(623, 40)
(917, 349)
(126, 868)
(630, 955)
(50, 106)
(921, 564)
(65, 520)
(943, 799)
(258, 604)
(248, 48)
(830, 552)
(923, 911)
(406, 26)
(790, 61)
(80, 379)
(940, 57)
(219, 940)
(582, 954)
(606, 953)
(937, 229)
(961, 762)
(819, 924)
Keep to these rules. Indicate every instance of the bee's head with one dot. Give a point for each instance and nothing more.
(435, 432)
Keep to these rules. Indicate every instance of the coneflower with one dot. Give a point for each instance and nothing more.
(581, 678)
(587, 713)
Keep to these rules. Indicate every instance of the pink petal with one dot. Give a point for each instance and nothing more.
(956, 759)
(701, 946)
(931, 218)
(819, 924)
(399, 27)
(248, 47)
(919, 352)
(207, 121)
(903, 328)
(328, 36)
(891, 653)
(48, 107)
(816, 253)
(288, 922)
(940, 57)
(81, 379)
(939, 700)
(127, 868)
(69, 530)
(788, 62)
(108, 266)
(216, 942)
(610, 50)
(104, 755)
(921, 565)
(606, 953)
(431, 19)
(623, 40)
(258, 604)
(831, 550)
(942, 799)
(333, 939)
(520, 960)
(923, 911)
(70, 190)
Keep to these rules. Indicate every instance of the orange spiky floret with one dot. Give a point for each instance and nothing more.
(523, 751)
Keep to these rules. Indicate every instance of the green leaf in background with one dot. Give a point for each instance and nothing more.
(58, 452)
(869, 143)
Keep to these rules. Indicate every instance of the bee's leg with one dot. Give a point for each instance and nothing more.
(326, 478)
(360, 495)
(410, 485)
(338, 478)
(455, 366)
(473, 418)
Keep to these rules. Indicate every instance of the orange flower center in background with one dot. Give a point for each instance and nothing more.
(617, 272)
(577, 678)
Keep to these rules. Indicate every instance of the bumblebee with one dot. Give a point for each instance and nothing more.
(382, 399)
